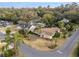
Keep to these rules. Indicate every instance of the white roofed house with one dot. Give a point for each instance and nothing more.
(65, 20)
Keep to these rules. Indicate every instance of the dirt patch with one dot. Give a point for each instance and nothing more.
(43, 45)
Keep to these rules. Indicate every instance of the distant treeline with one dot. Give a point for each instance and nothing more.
(46, 14)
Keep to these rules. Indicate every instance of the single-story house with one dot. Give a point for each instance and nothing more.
(47, 33)
(65, 20)
(5, 23)
(21, 25)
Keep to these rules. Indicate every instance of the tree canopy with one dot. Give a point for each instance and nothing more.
(69, 11)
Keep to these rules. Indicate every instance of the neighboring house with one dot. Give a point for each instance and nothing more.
(47, 33)
(21, 25)
(5, 23)
(36, 25)
(31, 25)
(65, 20)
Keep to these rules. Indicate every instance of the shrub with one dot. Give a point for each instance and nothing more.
(9, 53)
(57, 34)
(76, 51)
(52, 46)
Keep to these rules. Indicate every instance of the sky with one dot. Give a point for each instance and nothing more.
(30, 4)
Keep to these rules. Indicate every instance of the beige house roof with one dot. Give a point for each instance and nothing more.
(47, 31)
